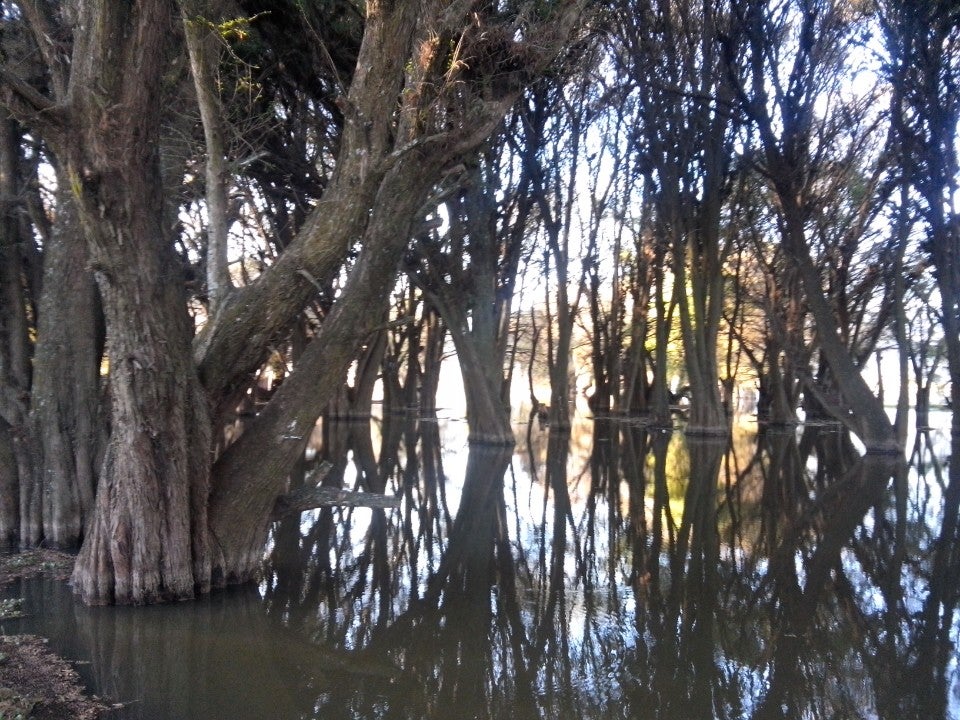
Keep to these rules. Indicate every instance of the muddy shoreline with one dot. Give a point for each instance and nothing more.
(35, 682)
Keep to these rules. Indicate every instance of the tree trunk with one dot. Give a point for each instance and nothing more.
(148, 539)
(156, 510)
(9, 488)
(433, 344)
(867, 416)
(239, 338)
(251, 473)
(660, 401)
(487, 417)
(202, 45)
(784, 119)
(20, 508)
(481, 366)
(65, 398)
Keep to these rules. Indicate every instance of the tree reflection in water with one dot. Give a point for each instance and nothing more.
(612, 573)
(654, 576)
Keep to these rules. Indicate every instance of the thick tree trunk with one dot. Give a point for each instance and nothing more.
(406, 163)
(9, 488)
(559, 357)
(148, 539)
(237, 341)
(64, 402)
(16, 515)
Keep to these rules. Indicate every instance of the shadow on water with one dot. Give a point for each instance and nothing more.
(614, 574)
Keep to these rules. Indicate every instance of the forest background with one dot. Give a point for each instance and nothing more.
(222, 221)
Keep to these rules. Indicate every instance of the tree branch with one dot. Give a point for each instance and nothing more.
(30, 106)
(310, 498)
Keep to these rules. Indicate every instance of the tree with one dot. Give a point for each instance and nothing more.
(685, 141)
(468, 275)
(791, 58)
(923, 46)
(167, 522)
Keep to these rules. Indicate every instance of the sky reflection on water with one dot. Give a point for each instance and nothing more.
(610, 573)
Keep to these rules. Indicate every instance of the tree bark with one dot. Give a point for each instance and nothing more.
(236, 342)
(250, 474)
(15, 361)
(157, 510)
(148, 540)
(65, 414)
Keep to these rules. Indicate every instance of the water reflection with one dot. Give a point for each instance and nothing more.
(616, 573)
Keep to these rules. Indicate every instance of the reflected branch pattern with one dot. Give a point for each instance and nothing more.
(608, 572)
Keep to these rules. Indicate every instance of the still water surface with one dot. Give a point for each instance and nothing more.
(607, 573)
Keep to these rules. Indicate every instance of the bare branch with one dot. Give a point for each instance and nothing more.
(30, 106)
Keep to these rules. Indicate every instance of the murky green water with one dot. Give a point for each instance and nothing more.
(612, 573)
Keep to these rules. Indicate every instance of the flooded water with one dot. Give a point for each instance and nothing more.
(607, 573)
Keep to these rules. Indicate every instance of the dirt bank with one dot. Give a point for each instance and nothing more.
(36, 683)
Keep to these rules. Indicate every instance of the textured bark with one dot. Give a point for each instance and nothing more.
(408, 163)
(148, 538)
(433, 344)
(15, 370)
(237, 341)
(65, 398)
(155, 509)
(9, 488)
